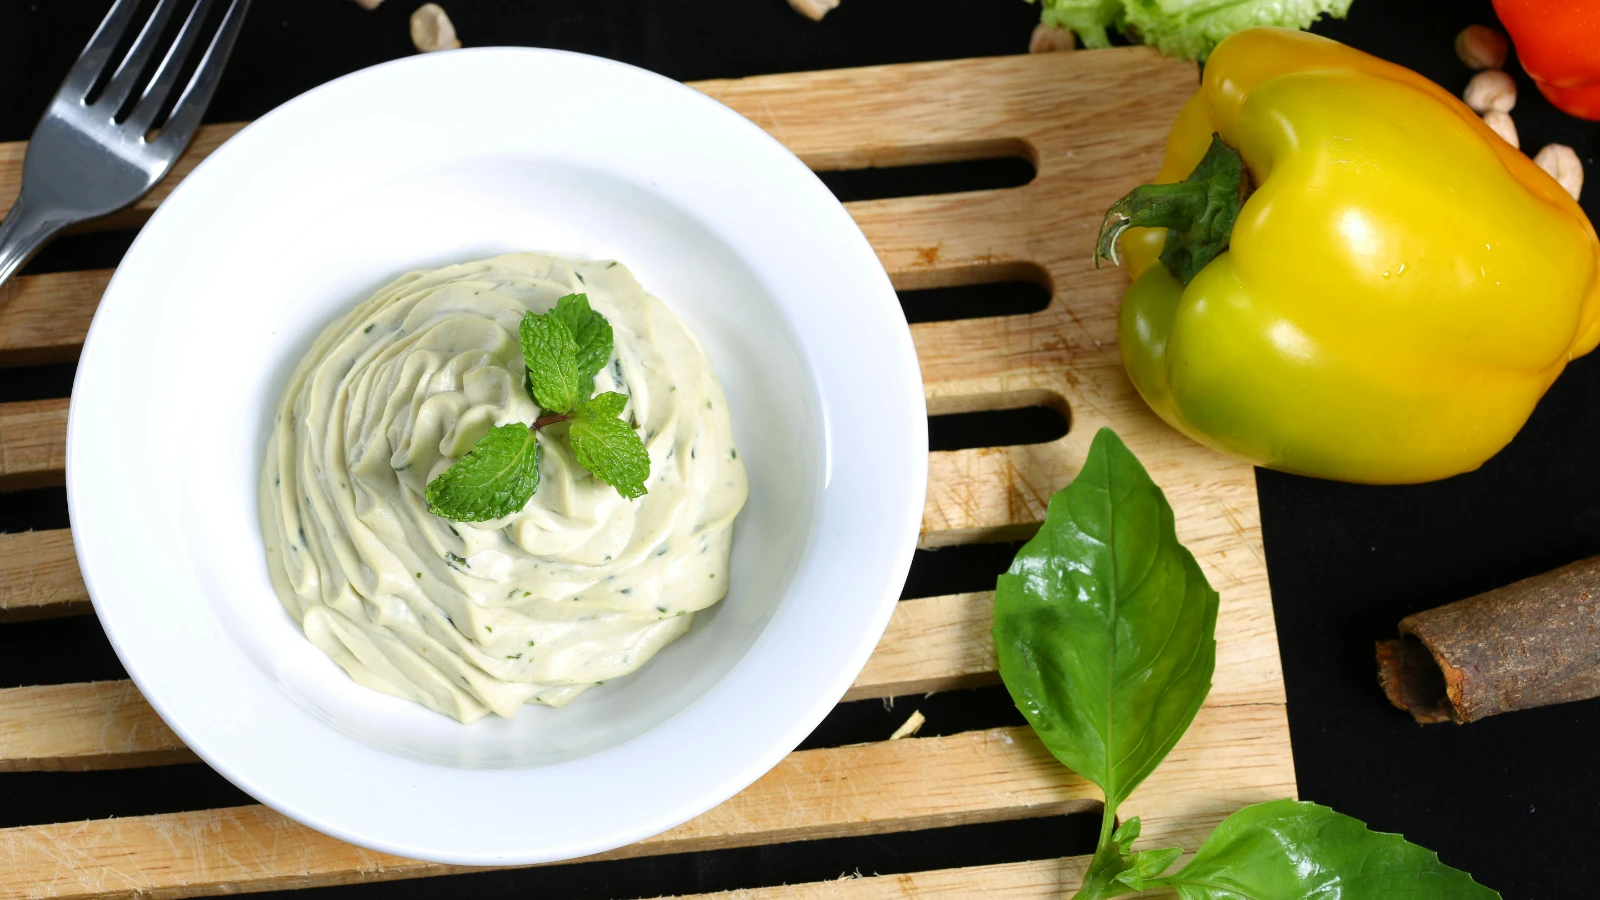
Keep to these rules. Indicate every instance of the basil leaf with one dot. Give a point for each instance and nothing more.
(1286, 848)
(1147, 864)
(1104, 625)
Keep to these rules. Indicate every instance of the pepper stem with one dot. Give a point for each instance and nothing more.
(1199, 213)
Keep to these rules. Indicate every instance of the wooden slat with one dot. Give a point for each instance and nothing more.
(1046, 879)
(99, 725)
(931, 644)
(43, 318)
(33, 439)
(934, 644)
(1228, 759)
(39, 576)
(938, 643)
(811, 794)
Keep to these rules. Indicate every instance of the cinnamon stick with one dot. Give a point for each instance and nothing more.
(1528, 644)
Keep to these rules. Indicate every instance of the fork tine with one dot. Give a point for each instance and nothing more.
(166, 76)
(196, 96)
(97, 54)
(129, 71)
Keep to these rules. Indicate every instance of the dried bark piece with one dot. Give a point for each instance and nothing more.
(814, 9)
(432, 30)
(1532, 643)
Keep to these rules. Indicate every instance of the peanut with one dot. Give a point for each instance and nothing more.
(1563, 165)
(1502, 125)
(813, 9)
(1491, 91)
(432, 30)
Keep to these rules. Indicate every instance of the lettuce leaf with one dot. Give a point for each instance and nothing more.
(1089, 19)
(1186, 29)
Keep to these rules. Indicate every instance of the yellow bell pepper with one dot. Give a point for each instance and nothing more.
(1396, 285)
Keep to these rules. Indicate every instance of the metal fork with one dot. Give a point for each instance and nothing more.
(85, 160)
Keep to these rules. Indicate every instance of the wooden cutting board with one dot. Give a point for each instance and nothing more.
(1093, 123)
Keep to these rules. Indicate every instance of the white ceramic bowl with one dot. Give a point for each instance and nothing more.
(450, 157)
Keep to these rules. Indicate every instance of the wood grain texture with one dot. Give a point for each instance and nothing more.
(1227, 760)
(1094, 124)
(39, 576)
(99, 725)
(908, 784)
(33, 444)
(43, 318)
(1046, 879)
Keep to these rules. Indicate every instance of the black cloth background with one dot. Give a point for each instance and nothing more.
(1512, 799)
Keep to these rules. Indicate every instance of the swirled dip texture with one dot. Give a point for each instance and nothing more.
(579, 587)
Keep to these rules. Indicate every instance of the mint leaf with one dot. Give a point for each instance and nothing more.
(609, 447)
(609, 404)
(1105, 626)
(592, 333)
(495, 479)
(1285, 848)
(551, 354)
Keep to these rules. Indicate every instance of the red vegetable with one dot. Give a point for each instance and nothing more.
(1558, 42)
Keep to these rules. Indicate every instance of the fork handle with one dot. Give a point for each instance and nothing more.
(25, 229)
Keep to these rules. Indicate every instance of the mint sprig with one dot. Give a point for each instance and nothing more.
(563, 350)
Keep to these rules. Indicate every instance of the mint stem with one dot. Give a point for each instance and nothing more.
(552, 419)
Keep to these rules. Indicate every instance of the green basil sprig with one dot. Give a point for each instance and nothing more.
(1105, 630)
(563, 350)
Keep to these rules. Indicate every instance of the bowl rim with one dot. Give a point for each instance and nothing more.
(902, 484)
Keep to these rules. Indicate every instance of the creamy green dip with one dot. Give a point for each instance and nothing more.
(581, 586)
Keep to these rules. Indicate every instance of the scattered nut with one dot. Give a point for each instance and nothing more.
(813, 9)
(368, 4)
(1482, 47)
(911, 726)
(1502, 125)
(1563, 165)
(431, 29)
(1491, 90)
(1050, 39)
